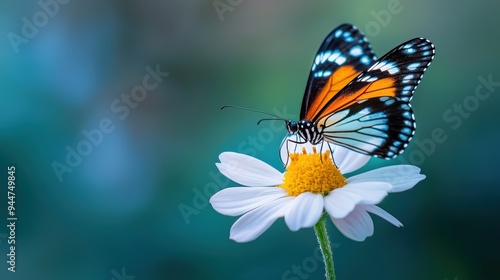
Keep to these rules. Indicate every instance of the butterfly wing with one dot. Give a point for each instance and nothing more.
(396, 75)
(381, 126)
(342, 56)
(372, 114)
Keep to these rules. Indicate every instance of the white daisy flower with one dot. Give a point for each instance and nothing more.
(310, 185)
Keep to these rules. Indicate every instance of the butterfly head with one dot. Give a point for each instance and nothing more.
(292, 127)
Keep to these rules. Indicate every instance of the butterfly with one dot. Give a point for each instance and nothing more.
(354, 100)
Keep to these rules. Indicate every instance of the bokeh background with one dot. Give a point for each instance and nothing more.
(136, 205)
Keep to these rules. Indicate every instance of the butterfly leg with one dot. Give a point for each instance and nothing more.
(288, 148)
(297, 142)
(331, 153)
(285, 142)
(321, 150)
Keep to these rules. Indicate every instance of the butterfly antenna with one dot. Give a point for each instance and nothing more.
(271, 119)
(276, 117)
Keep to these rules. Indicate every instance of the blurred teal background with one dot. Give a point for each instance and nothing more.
(118, 212)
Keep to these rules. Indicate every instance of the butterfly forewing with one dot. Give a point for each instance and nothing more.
(342, 56)
(396, 74)
(404, 66)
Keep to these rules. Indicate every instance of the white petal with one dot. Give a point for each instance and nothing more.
(304, 211)
(251, 225)
(339, 203)
(248, 171)
(401, 177)
(347, 160)
(357, 225)
(237, 201)
(382, 214)
(370, 192)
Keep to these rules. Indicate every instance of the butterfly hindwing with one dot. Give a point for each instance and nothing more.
(344, 54)
(396, 75)
(380, 126)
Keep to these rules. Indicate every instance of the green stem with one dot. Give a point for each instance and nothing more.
(324, 244)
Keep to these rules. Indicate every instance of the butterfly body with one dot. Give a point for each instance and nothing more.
(358, 102)
(306, 129)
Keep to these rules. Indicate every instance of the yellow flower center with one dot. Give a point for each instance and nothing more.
(314, 173)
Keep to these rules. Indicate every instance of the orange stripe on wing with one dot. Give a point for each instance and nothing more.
(378, 88)
(337, 81)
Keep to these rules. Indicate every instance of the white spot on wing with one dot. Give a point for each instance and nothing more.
(406, 130)
(413, 66)
(320, 74)
(340, 60)
(378, 65)
(356, 51)
(390, 67)
(334, 56)
(407, 114)
(386, 66)
(409, 50)
(408, 78)
(325, 56)
(365, 60)
(317, 60)
(389, 101)
(368, 79)
(408, 123)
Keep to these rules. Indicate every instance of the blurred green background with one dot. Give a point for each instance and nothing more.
(118, 213)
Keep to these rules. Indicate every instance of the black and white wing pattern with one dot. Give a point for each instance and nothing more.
(342, 56)
(382, 127)
(383, 90)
